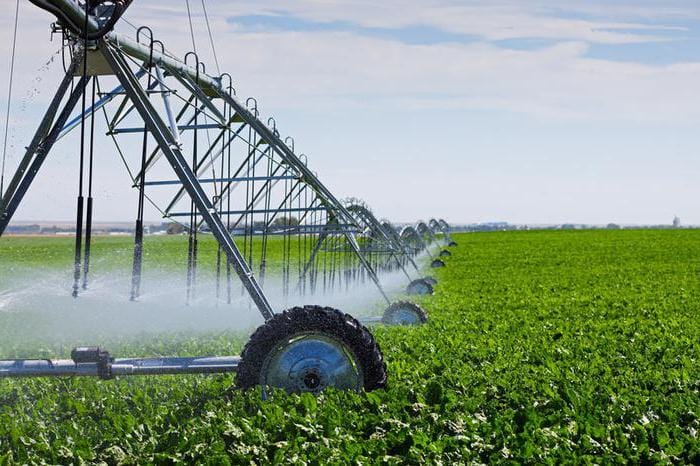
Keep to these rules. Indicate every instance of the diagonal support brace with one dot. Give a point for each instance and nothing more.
(168, 145)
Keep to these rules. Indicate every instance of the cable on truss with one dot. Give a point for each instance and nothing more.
(211, 38)
(9, 102)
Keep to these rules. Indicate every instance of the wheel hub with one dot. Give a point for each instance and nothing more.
(432, 281)
(405, 316)
(311, 363)
(420, 287)
(312, 380)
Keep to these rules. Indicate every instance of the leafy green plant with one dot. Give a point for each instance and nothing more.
(542, 347)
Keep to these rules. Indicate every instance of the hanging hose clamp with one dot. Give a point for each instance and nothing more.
(104, 367)
(56, 28)
(94, 355)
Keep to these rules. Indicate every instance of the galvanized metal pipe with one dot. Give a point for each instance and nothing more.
(172, 121)
(219, 180)
(370, 320)
(106, 99)
(260, 211)
(119, 367)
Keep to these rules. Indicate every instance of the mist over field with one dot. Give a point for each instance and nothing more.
(546, 346)
(462, 232)
(40, 296)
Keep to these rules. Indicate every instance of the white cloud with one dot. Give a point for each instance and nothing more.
(488, 20)
(327, 68)
(341, 72)
(293, 69)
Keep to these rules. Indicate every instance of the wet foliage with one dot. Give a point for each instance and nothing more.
(542, 347)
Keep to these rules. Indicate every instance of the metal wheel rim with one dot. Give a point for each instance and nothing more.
(404, 316)
(419, 288)
(311, 362)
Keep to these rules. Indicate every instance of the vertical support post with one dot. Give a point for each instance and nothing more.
(160, 131)
(81, 200)
(78, 244)
(281, 148)
(165, 93)
(137, 267)
(88, 221)
(88, 242)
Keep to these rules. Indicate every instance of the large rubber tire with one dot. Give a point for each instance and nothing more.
(432, 280)
(325, 321)
(437, 264)
(404, 313)
(445, 253)
(453, 244)
(420, 287)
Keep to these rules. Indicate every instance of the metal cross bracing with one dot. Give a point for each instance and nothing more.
(441, 230)
(434, 232)
(427, 233)
(388, 251)
(419, 238)
(234, 177)
(447, 231)
(413, 240)
(261, 193)
(384, 248)
(405, 240)
(242, 179)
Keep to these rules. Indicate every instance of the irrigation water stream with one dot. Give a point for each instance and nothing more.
(42, 299)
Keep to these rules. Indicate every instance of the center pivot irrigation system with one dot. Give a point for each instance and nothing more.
(233, 177)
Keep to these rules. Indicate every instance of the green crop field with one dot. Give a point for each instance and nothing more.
(115, 252)
(542, 347)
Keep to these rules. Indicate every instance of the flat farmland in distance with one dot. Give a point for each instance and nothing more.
(542, 347)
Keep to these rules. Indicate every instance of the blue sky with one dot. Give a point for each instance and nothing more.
(527, 111)
(673, 41)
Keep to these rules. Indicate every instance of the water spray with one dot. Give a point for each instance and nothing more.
(274, 222)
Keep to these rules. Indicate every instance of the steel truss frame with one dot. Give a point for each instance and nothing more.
(131, 61)
(117, 51)
(380, 240)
